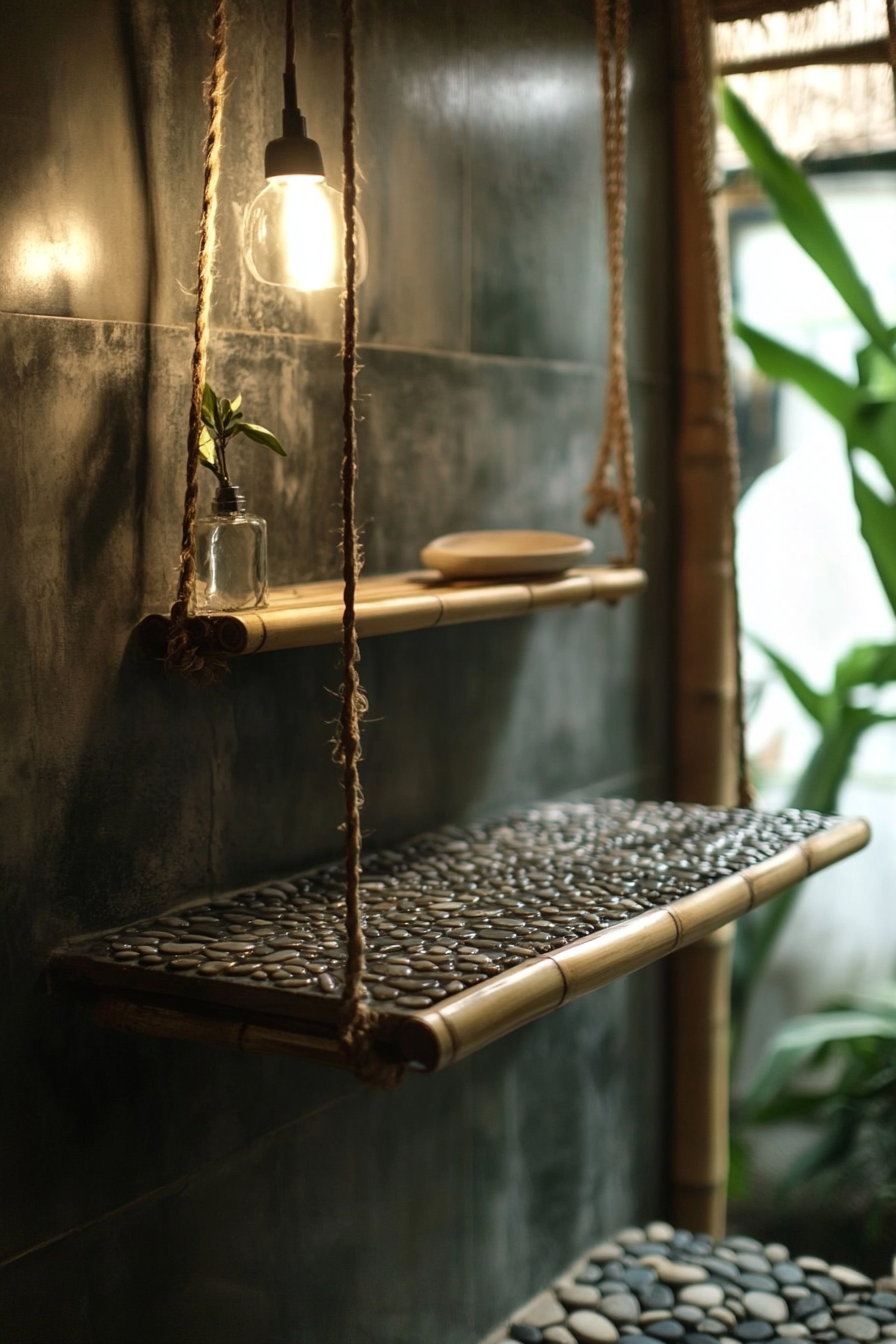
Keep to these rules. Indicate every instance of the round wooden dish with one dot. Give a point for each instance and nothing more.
(486, 555)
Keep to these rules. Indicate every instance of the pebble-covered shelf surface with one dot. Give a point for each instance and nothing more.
(659, 1285)
(471, 931)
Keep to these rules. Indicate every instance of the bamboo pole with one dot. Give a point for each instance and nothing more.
(303, 615)
(707, 731)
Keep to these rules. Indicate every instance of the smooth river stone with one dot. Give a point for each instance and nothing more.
(752, 1332)
(766, 1307)
(703, 1295)
(775, 1252)
(621, 1308)
(558, 1334)
(753, 1263)
(575, 1295)
(793, 1330)
(676, 1274)
(660, 1231)
(545, 1310)
(812, 1265)
(526, 1334)
(657, 1297)
(591, 1328)
(850, 1278)
(630, 1236)
(668, 1329)
(788, 1274)
(604, 1252)
(824, 1284)
(857, 1327)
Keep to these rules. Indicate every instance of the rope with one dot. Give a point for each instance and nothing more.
(616, 443)
(357, 1020)
(186, 653)
(704, 155)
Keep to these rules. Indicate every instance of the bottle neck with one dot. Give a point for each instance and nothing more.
(229, 500)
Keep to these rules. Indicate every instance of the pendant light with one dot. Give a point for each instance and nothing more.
(293, 230)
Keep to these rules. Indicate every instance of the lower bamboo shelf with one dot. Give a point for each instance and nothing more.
(472, 932)
(311, 613)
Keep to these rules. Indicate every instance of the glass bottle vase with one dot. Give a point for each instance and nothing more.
(231, 556)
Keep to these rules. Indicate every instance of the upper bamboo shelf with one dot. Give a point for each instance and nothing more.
(471, 932)
(303, 614)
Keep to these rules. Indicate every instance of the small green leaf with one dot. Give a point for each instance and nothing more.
(260, 435)
(209, 405)
(815, 704)
(803, 215)
(236, 403)
(878, 521)
(839, 398)
(207, 448)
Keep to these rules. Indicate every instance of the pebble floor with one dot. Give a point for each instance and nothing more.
(450, 909)
(658, 1284)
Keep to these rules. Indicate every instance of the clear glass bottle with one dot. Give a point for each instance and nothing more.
(231, 556)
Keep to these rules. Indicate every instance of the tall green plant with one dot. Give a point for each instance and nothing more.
(866, 410)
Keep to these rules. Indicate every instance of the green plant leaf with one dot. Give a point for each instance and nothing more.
(833, 1148)
(207, 452)
(814, 703)
(878, 521)
(236, 403)
(803, 215)
(209, 407)
(800, 1040)
(866, 665)
(874, 429)
(877, 373)
(259, 435)
(833, 394)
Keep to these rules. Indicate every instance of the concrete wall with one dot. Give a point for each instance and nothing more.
(152, 1191)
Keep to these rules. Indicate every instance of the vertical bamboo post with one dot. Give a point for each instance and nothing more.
(706, 690)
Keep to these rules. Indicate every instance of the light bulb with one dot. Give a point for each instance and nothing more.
(293, 234)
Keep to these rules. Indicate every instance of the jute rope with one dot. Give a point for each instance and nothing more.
(616, 446)
(188, 642)
(357, 1019)
(704, 157)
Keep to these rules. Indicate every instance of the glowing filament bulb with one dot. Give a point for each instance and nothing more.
(293, 235)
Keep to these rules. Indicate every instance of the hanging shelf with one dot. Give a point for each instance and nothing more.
(472, 932)
(303, 614)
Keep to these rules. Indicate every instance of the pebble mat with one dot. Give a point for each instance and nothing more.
(659, 1285)
(449, 909)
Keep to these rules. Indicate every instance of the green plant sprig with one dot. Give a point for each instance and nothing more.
(222, 420)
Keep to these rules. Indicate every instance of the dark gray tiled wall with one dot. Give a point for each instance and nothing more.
(152, 1191)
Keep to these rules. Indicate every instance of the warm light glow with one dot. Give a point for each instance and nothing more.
(293, 235)
(40, 259)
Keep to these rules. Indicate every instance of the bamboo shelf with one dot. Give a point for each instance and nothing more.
(304, 614)
(471, 932)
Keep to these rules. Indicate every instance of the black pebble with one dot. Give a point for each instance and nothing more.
(682, 1239)
(887, 1300)
(828, 1287)
(665, 1329)
(788, 1274)
(526, 1334)
(751, 1332)
(642, 1276)
(882, 1314)
(721, 1269)
(695, 1337)
(648, 1248)
(614, 1271)
(807, 1306)
(759, 1283)
(590, 1274)
(826, 1336)
(658, 1297)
